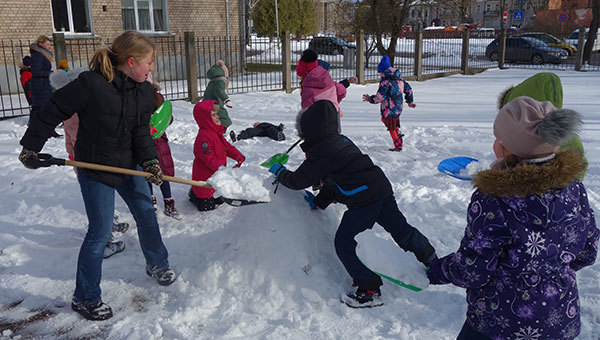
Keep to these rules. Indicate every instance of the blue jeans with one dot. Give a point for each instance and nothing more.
(165, 189)
(99, 200)
(356, 220)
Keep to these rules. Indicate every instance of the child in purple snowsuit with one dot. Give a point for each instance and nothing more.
(530, 227)
(389, 94)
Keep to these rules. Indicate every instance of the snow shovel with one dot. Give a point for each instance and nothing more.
(280, 157)
(46, 160)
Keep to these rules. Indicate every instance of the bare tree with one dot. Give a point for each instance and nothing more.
(388, 16)
(460, 8)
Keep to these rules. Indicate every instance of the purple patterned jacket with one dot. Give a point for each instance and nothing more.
(529, 229)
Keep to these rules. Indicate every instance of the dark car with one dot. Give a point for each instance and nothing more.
(329, 45)
(552, 41)
(526, 49)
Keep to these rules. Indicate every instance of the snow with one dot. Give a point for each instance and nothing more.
(268, 271)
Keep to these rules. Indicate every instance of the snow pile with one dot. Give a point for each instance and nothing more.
(382, 255)
(239, 184)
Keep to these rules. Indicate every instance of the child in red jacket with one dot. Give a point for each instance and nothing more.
(211, 150)
(26, 76)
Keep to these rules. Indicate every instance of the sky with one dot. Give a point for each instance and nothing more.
(269, 271)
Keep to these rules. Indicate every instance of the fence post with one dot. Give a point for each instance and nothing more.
(580, 46)
(191, 66)
(286, 62)
(360, 56)
(502, 48)
(419, 54)
(60, 47)
(464, 65)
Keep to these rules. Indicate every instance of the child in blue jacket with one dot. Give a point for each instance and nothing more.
(389, 94)
(351, 178)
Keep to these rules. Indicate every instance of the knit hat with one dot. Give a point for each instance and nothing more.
(224, 67)
(532, 129)
(307, 62)
(27, 60)
(384, 64)
(63, 64)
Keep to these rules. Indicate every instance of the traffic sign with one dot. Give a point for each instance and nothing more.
(563, 17)
(505, 16)
(518, 16)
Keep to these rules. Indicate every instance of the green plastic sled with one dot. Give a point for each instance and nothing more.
(161, 118)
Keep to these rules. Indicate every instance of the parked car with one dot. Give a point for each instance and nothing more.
(574, 37)
(329, 45)
(526, 49)
(552, 41)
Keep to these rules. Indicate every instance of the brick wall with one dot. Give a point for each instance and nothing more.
(27, 19)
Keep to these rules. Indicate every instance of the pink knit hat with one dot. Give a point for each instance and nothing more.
(532, 129)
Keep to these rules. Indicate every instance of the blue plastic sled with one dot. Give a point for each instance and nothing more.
(453, 166)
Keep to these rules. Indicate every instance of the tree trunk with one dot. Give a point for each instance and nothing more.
(587, 50)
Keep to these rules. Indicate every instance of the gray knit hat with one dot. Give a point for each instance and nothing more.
(532, 129)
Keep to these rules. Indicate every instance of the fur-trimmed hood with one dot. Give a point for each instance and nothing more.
(513, 177)
(61, 78)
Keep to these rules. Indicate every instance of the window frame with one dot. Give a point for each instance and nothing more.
(71, 31)
(152, 29)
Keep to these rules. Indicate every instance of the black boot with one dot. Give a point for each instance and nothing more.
(95, 311)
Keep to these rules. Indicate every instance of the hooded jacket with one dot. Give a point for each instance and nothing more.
(349, 176)
(211, 149)
(41, 67)
(389, 94)
(529, 229)
(114, 122)
(318, 85)
(544, 86)
(215, 90)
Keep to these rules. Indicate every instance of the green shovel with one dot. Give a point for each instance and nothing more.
(280, 157)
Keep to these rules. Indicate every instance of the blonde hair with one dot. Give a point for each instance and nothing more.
(41, 39)
(128, 44)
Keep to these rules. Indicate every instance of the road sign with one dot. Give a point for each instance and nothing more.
(518, 16)
(563, 17)
(505, 16)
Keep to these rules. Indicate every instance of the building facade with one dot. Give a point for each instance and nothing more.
(77, 19)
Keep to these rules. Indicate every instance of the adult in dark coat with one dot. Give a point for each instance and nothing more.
(351, 178)
(41, 67)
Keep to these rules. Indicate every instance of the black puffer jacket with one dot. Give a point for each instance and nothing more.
(350, 177)
(114, 122)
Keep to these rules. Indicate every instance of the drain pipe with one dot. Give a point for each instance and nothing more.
(228, 46)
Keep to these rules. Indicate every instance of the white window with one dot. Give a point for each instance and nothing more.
(71, 16)
(144, 15)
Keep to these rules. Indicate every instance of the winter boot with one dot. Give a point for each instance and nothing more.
(119, 227)
(170, 208)
(363, 298)
(164, 276)
(154, 203)
(95, 311)
(113, 248)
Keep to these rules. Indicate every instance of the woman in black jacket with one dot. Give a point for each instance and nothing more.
(114, 103)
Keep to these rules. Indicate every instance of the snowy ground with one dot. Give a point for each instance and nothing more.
(267, 271)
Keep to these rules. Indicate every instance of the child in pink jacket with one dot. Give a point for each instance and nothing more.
(211, 150)
(316, 83)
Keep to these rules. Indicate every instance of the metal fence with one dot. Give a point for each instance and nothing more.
(258, 65)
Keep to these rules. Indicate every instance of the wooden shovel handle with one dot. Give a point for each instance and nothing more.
(132, 172)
